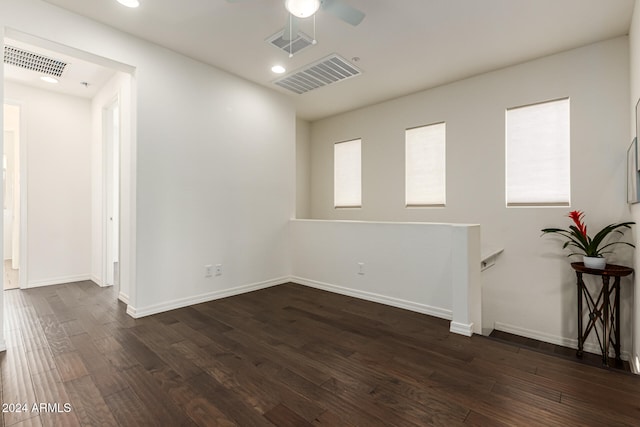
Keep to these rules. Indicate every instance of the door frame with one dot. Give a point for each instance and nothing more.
(110, 190)
(21, 146)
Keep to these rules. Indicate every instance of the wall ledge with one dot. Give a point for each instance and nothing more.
(353, 221)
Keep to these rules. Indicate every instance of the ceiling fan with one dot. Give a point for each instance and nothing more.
(300, 9)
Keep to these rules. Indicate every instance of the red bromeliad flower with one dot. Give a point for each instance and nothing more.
(576, 216)
(576, 236)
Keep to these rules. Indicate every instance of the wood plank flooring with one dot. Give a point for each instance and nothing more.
(558, 350)
(285, 356)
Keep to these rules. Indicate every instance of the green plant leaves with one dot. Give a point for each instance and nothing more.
(590, 247)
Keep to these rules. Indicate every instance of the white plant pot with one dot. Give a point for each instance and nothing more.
(597, 263)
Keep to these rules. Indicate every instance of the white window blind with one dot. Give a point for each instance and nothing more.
(538, 154)
(347, 174)
(425, 161)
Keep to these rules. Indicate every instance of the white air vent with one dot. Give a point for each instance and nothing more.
(33, 61)
(300, 42)
(322, 73)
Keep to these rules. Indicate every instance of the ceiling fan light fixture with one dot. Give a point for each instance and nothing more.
(302, 8)
(129, 3)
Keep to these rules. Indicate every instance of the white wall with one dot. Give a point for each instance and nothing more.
(216, 181)
(303, 169)
(634, 52)
(328, 252)
(428, 268)
(58, 141)
(209, 189)
(531, 289)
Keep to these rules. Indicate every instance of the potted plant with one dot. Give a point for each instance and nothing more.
(591, 249)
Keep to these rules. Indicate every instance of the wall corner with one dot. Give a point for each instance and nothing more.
(466, 280)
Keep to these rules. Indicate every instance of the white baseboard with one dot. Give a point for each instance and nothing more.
(461, 328)
(635, 365)
(97, 280)
(382, 299)
(58, 280)
(137, 313)
(554, 339)
(3, 346)
(124, 298)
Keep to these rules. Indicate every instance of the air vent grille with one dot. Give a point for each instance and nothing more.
(300, 41)
(33, 61)
(327, 71)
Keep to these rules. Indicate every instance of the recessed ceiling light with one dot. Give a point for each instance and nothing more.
(278, 69)
(129, 3)
(49, 79)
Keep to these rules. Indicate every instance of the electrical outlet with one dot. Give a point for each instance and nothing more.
(208, 270)
(361, 268)
(218, 269)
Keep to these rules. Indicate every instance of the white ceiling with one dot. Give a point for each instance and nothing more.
(403, 45)
(76, 72)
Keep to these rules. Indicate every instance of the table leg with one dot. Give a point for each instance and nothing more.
(579, 286)
(605, 321)
(616, 345)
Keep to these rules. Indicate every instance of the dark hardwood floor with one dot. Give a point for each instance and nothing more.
(558, 350)
(286, 356)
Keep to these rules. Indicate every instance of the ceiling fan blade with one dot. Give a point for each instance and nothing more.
(343, 11)
(290, 28)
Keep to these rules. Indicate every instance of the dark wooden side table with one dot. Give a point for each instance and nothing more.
(602, 309)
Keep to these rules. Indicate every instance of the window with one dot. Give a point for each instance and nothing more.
(537, 154)
(347, 174)
(425, 160)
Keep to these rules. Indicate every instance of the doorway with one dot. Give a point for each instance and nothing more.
(78, 224)
(111, 144)
(11, 196)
